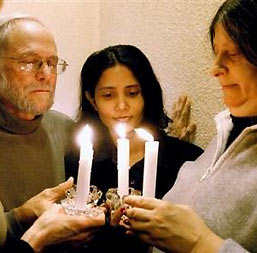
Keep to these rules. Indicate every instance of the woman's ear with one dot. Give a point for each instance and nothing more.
(91, 100)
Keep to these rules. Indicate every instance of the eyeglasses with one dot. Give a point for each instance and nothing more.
(55, 64)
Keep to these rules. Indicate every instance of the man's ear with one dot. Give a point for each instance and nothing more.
(91, 100)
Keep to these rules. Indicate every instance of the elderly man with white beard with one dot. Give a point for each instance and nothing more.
(34, 140)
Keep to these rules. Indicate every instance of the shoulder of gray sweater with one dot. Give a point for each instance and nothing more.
(58, 117)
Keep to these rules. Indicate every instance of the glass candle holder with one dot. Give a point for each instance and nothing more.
(113, 199)
(114, 202)
(90, 209)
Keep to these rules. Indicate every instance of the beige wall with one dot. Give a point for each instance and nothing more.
(172, 33)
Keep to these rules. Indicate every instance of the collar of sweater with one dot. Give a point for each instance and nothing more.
(225, 122)
(224, 126)
(17, 126)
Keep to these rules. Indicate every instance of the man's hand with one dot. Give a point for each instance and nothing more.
(38, 204)
(55, 226)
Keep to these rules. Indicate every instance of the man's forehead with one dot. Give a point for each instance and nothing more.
(28, 28)
(30, 37)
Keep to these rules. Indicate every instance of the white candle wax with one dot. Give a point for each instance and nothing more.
(84, 172)
(123, 162)
(150, 168)
(150, 163)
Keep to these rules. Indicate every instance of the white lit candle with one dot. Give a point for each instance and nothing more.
(85, 164)
(150, 163)
(123, 161)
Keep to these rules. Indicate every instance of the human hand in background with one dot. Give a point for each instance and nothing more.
(55, 226)
(181, 127)
(34, 207)
(172, 228)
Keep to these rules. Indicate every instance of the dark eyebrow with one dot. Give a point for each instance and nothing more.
(127, 87)
(134, 85)
(107, 88)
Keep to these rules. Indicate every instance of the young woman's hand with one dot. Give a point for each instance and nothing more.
(182, 127)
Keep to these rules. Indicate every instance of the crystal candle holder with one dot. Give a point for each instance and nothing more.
(114, 202)
(91, 208)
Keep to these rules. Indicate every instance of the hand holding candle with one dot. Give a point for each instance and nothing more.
(85, 164)
(123, 161)
(150, 163)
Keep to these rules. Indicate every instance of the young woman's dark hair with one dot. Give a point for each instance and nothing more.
(137, 62)
(239, 20)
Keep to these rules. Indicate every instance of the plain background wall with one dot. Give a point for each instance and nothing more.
(172, 33)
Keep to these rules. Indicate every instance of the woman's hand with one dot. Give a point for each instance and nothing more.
(172, 228)
(181, 127)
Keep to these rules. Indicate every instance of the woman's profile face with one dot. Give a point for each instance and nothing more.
(237, 76)
(118, 98)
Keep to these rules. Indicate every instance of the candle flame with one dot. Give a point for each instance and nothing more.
(121, 130)
(144, 134)
(85, 135)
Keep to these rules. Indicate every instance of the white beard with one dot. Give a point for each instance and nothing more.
(20, 99)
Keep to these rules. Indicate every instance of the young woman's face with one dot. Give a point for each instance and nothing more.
(118, 98)
(237, 76)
